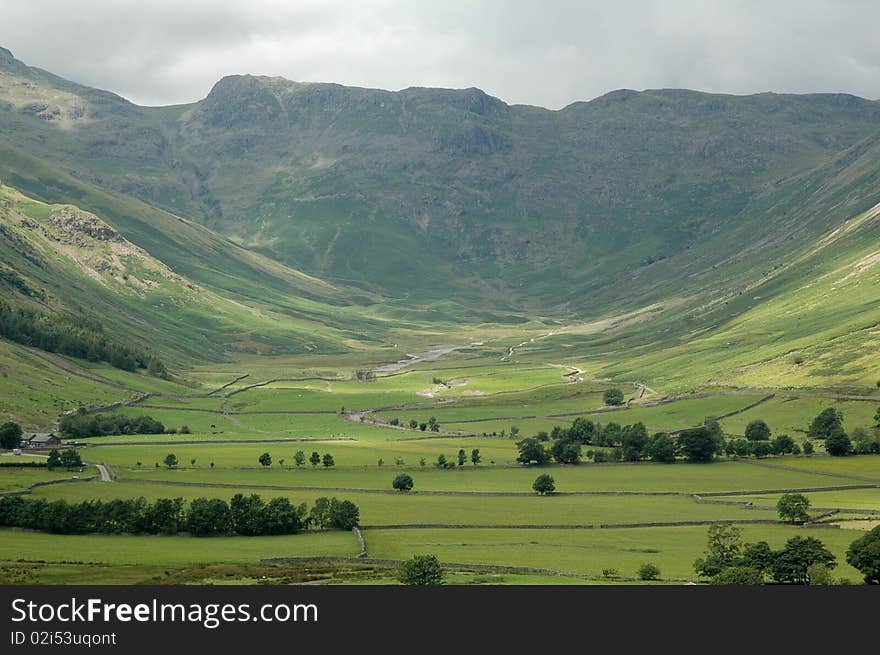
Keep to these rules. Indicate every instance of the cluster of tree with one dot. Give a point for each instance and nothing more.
(10, 435)
(431, 424)
(444, 462)
(82, 425)
(727, 561)
(248, 516)
(628, 442)
(299, 459)
(72, 335)
(827, 427)
(69, 459)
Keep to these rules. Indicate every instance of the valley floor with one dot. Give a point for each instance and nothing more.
(483, 520)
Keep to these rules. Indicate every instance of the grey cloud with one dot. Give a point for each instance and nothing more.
(547, 53)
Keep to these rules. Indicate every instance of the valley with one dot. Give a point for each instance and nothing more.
(422, 302)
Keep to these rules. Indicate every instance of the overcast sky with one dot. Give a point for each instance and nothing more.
(542, 52)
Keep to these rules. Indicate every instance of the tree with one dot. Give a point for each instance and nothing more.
(649, 572)
(327, 460)
(433, 425)
(319, 516)
(582, 430)
(828, 421)
(566, 452)
(423, 426)
(722, 550)
(315, 458)
(208, 516)
(246, 514)
(344, 514)
(739, 575)
(761, 449)
(791, 564)
(757, 556)
(70, 459)
(757, 430)
(280, 462)
(544, 484)
(697, 444)
(299, 458)
(170, 460)
(532, 451)
(403, 482)
(441, 461)
(808, 448)
(192, 462)
(783, 445)
(633, 440)
(475, 456)
(10, 435)
(265, 459)
(462, 457)
(661, 448)
(877, 414)
(54, 460)
(514, 431)
(838, 443)
(413, 424)
(421, 571)
(864, 555)
(793, 508)
(613, 396)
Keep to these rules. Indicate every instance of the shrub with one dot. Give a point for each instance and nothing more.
(739, 575)
(421, 571)
(648, 571)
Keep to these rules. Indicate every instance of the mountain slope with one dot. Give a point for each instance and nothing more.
(433, 193)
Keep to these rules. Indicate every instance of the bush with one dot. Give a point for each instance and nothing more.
(421, 571)
(739, 575)
(613, 396)
(648, 572)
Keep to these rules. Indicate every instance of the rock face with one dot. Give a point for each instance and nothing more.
(77, 224)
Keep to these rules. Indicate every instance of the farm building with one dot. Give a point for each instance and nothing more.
(39, 440)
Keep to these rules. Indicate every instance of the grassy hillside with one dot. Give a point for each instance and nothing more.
(425, 194)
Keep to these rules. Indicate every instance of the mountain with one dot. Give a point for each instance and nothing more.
(435, 194)
(667, 235)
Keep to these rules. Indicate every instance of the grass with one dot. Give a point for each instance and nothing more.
(13, 479)
(848, 499)
(412, 509)
(165, 550)
(673, 550)
(646, 477)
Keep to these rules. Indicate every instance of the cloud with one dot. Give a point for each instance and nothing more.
(549, 53)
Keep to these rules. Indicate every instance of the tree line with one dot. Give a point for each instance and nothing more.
(72, 335)
(83, 425)
(803, 560)
(248, 516)
(698, 444)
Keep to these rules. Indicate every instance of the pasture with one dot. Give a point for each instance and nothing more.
(486, 514)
